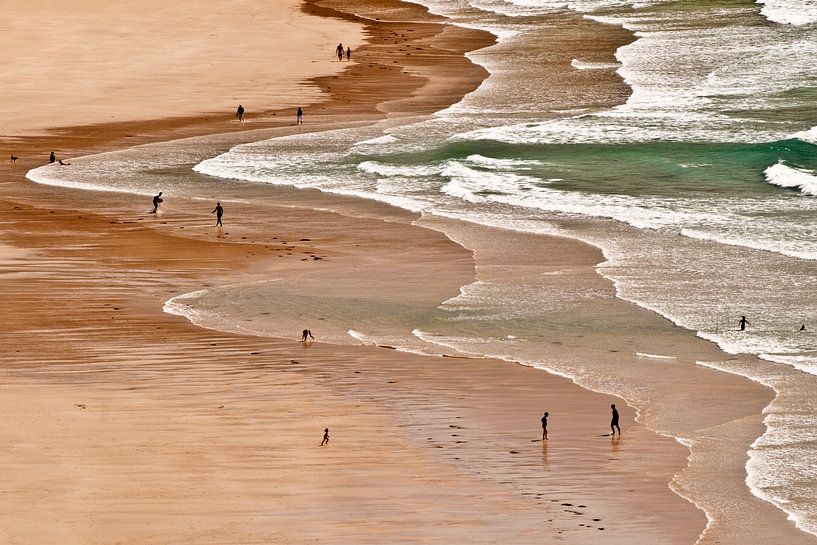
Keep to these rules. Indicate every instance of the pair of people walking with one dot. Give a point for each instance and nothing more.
(339, 51)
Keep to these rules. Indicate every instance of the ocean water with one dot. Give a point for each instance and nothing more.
(701, 190)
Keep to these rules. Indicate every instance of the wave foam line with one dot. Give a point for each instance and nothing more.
(783, 175)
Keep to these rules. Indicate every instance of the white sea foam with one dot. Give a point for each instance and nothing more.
(654, 356)
(59, 176)
(380, 140)
(809, 135)
(790, 12)
(182, 305)
(783, 175)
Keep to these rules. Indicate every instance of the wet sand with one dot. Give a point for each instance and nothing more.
(124, 423)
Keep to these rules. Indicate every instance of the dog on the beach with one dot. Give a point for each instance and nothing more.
(13, 158)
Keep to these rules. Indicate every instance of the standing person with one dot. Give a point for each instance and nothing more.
(325, 440)
(219, 211)
(339, 51)
(156, 200)
(348, 54)
(299, 116)
(545, 427)
(239, 113)
(614, 421)
(52, 158)
(743, 323)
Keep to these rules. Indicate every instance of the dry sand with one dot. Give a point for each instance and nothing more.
(127, 425)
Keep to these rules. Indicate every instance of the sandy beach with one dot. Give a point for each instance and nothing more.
(127, 424)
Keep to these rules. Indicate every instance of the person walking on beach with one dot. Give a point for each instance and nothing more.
(339, 51)
(239, 113)
(305, 334)
(614, 421)
(348, 54)
(325, 440)
(743, 323)
(52, 158)
(299, 116)
(156, 200)
(545, 427)
(219, 211)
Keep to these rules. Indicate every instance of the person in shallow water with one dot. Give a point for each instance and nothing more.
(545, 427)
(743, 323)
(52, 158)
(614, 421)
(218, 211)
(239, 113)
(156, 200)
(307, 333)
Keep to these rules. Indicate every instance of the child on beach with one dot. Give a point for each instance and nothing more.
(348, 54)
(325, 437)
(299, 116)
(307, 333)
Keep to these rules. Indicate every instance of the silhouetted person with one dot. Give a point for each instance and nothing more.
(545, 427)
(803, 327)
(306, 333)
(156, 200)
(614, 421)
(339, 51)
(325, 440)
(743, 323)
(13, 158)
(52, 158)
(299, 116)
(218, 211)
(239, 113)
(348, 53)
(63, 163)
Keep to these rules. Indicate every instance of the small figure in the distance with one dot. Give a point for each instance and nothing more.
(306, 333)
(545, 427)
(339, 51)
(299, 116)
(743, 323)
(325, 440)
(157, 199)
(614, 421)
(64, 163)
(348, 54)
(52, 158)
(239, 113)
(218, 211)
(803, 327)
(13, 158)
